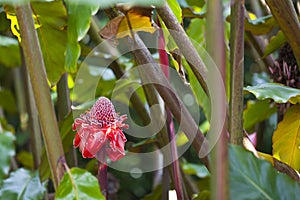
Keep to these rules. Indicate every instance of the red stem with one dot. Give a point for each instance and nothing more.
(164, 63)
(102, 173)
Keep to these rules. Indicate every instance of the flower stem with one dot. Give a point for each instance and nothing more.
(102, 178)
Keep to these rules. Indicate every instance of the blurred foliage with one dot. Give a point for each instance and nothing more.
(66, 39)
(22, 184)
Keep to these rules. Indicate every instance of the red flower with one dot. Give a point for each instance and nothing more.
(99, 130)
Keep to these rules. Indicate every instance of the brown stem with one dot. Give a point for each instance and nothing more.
(166, 91)
(36, 68)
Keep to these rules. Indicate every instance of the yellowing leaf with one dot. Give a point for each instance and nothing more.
(139, 20)
(137, 23)
(286, 138)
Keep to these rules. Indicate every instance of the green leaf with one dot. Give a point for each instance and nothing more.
(286, 138)
(78, 25)
(176, 9)
(78, 184)
(275, 43)
(257, 111)
(278, 92)
(7, 101)
(196, 30)
(253, 178)
(9, 52)
(52, 19)
(260, 26)
(22, 184)
(195, 169)
(7, 150)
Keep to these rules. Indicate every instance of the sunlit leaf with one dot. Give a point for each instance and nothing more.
(9, 52)
(257, 111)
(286, 138)
(79, 17)
(253, 178)
(7, 150)
(51, 17)
(78, 184)
(135, 19)
(278, 92)
(22, 184)
(175, 7)
(275, 43)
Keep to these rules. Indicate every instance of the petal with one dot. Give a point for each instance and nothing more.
(76, 140)
(94, 142)
(86, 153)
(114, 155)
(117, 143)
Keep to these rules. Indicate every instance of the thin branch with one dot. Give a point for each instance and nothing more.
(185, 45)
(36, 68)
(286, 16)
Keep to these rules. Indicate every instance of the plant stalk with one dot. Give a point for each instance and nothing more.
(236, 72)
(36, 68)
(216, 48)
(63, 97)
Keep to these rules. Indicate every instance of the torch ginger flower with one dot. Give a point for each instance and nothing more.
(100, 131)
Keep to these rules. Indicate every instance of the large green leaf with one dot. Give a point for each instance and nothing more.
(22, 184)
(253, 178)
(9, 52)
(275, 43)
(286, 138)
(7, 150)
(52, 19)
(257, 111)
(278, 92)
(78, 184)
(78, 25)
